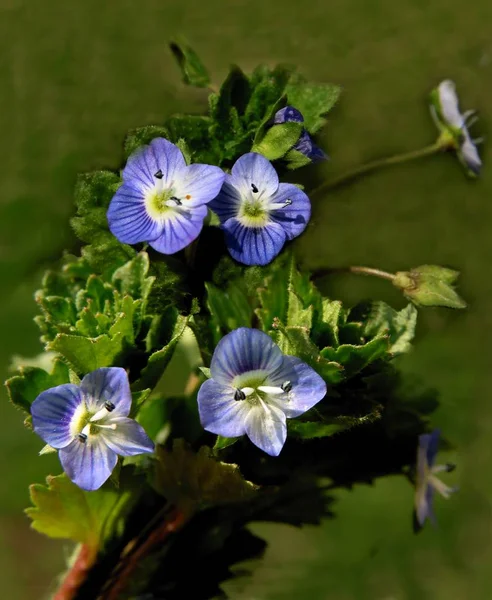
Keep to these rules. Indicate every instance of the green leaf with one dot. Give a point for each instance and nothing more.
(268, 86)
(159, 360)
(313, 100)
(399, 326)
(206, 372)
(224, 442)
(295, 341)
(327, 328)
(142, 136)
(25, 387)
(310, 429)
(287, 295)
(226, 109)
(355, 358)
(88, 354)
(197, 481)
(230, 307)
(192, 69)
(93, 193)
(429, 285)
(278, 140)
(63, 510)
(195, 130)
(296, 159)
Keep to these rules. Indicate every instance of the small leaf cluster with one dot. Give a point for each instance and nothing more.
(92, 321)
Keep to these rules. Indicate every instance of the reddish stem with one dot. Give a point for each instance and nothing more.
(77, 574)
(174, 522)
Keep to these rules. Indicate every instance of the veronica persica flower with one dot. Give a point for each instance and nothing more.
(427, 483)
(162, 200)
(89, 426)
(254, 388)
(305, 144)
(257, 213)
(454, 124)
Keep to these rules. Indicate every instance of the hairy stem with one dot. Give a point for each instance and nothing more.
(175, 520)
(353, 174)
(357, 270)
(77, 573)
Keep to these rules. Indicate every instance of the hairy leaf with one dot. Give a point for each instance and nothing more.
(196, 481)
(192, 69)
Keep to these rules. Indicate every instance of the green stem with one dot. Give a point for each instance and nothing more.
(376, 164)
(357, 270)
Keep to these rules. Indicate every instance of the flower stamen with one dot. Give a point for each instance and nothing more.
(254, 188)
(239, 395)
(159, 174)
(286, 386)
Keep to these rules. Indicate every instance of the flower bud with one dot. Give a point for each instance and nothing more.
(429, 285)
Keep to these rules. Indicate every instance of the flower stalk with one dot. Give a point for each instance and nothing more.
(374, 165)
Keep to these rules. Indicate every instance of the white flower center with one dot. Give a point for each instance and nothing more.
(255, 208)
(250, 387)
(85, 424)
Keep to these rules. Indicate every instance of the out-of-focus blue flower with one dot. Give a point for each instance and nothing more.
(88, 424)
(305, 144)
(257, 213)
(426, 481)
(454, 125)
(254, 388)
(162, 201)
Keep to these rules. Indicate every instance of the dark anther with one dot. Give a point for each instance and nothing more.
(82, 438)
(177, 200)
(288, 202)
(159, 174)
(254, 188)
(450, 467)
(239, 395)
(109, 406)
(286, 386)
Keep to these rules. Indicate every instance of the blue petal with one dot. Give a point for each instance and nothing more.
(180, 229)
(429, 444)
(254, 245)
(88, 464)
(129, 438)
(219, 412)
(293, 218)
(423, 503)
(244, 350)
(201, 182)
(253, 168)
(289, 114)
(128, 219)
(228, 202)
(469, 154)
(306, 146)
(266, 428)
(52, 412)
(145, 162)
(308, 388)
(107, 384)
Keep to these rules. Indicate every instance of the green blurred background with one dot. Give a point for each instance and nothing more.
(75, 76)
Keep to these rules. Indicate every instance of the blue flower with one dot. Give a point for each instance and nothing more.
(305, 144)
(454, 125)
(258, 213)
(427, 482)
(162, 201)
(254, 388)
(89, 425)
